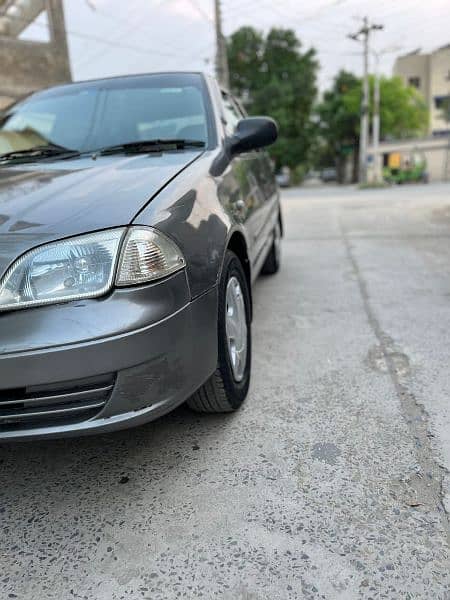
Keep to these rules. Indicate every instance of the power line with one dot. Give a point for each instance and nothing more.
(293, 19)
(105, 42)
(140, 22)
(201, 12)
(290, 15)
(136, 24)
(115, 42)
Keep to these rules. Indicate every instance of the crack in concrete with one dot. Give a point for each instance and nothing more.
(428, 482)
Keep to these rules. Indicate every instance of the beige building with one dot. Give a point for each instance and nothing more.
(27, 65)
(430, 74)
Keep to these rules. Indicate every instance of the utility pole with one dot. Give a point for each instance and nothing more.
(222, 71)
(364, 35)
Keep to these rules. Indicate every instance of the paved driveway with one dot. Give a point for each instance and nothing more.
(330, 483)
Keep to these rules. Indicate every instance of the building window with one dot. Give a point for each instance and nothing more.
(441, 102)
(414, 82)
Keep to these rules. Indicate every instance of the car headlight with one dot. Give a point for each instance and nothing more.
(88, 266)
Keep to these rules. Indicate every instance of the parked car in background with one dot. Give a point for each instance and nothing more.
(312, 178)
(130, 235)
(329, 174)
(283, 177)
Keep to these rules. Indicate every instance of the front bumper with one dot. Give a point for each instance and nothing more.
(100, 365)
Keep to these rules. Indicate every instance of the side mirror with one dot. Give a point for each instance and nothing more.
(252, 133)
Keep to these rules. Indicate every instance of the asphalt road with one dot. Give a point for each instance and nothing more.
(331, 483)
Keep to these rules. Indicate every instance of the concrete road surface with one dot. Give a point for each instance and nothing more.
(331, 483)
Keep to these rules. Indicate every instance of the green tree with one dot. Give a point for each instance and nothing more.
(403, 111)
(339, 125)
(403, 114)
(272, 76)
(245, 60)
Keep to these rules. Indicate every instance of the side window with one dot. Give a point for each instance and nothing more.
(231, 113)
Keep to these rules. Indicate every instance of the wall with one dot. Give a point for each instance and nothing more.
(434, 73)
(439, 85)
(27, 66)
(436, 151)
(414, 65)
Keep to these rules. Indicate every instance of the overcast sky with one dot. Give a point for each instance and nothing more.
(132, 36)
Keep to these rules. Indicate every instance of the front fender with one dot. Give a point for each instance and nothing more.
(189, 211)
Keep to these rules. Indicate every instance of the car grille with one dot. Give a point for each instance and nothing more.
(62, 403)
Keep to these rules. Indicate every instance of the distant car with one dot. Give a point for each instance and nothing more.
(312, 178)
(328, 174)
(284, 177)
(130, 235)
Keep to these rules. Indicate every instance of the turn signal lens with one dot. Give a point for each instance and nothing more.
(147, 255)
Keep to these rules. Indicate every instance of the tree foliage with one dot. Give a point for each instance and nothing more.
(272, 76)
(403, 113)
(339, 125)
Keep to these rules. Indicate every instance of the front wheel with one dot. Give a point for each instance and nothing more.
(227, 387)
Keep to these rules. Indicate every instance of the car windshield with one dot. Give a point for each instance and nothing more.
(88, 117)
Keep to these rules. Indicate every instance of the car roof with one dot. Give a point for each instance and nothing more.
(118, 78)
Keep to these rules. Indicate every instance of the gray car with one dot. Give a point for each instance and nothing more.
(135, 213)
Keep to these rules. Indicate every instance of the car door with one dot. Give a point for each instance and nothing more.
(263, 171)
(248, 199)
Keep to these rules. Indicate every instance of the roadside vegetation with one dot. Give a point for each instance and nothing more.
(272, 74)
(403, 114)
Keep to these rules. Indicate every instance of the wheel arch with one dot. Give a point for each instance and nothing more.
(281, 222)
(238, 245)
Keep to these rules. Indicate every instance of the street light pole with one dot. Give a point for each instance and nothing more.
(376, 121)
(364, 136)
(222, 72)
(364, 33)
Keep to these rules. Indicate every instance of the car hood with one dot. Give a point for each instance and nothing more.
(46, 201)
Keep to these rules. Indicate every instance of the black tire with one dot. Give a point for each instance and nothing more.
(222, 392)
(273, 260)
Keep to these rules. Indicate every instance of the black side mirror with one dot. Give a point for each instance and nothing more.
(252, 133)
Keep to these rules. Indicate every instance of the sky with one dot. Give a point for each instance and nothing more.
(114, 37)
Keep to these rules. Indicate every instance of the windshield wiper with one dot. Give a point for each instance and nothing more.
(43, 151)
(144, 146)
